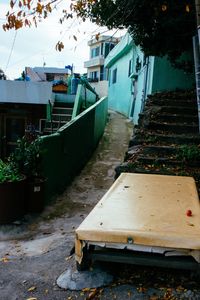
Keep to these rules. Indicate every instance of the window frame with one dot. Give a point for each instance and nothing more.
(114, 76)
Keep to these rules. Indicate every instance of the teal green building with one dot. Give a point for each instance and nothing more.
(132, 77)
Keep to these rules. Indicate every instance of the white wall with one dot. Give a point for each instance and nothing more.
(25, 92)
(101, 87)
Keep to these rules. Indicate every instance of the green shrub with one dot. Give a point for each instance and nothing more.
(27, 157)
(8, 172)
(189, 153)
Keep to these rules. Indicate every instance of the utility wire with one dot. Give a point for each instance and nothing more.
(11, 50)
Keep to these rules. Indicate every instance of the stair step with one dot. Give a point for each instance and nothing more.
(54, 124)
(160, 150)
(164, 139)
(49, 131)
(158, 160)
(173, 102)
(179, 110)
(178, 139)
(172, 161)
(62, 110)
(60, 115)
(64, 104)
(61, 118)
(177, 95)
(173, 127)
(62, 107)
(177, 117)
(151, 151)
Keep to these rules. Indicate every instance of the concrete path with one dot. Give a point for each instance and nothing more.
(38, 248)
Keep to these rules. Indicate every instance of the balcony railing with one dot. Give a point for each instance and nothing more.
(96, 61)
(93, 79)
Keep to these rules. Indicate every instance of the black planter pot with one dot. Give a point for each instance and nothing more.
(12, 201)
(35, 195)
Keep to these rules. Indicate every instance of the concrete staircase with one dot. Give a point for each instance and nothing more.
(166, 140)
(61, 114)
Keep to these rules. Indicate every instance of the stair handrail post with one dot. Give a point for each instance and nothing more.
(51, 111)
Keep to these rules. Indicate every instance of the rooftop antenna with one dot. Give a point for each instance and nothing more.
(44, 63)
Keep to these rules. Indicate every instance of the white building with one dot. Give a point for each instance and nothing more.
(96, 72)
(47, 73)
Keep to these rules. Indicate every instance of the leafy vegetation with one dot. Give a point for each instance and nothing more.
(189, 153)
(24, 161)
(8, 172)
(27, 157)
(159, 27)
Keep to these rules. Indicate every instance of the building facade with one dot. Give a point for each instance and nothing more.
(22, 105)
(133, 76)
(96, 71)
(47, 74)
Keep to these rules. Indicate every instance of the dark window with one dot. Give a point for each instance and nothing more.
(144, 60)
(108, 48)
(130, 67)
(49, 77)
(112, 46)
(103, 73)
(114, 76)
(109, 77)
(93, 76)
(102, 45)
(138, 65)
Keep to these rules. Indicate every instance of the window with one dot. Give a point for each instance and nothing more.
(103, 73)
(114, 76)
(109, 77)
(138, 65)
(102, 48)
(49, 77)
(108, 48)
(144, 60)
(93, 76)
(130, 68)
(95, 52)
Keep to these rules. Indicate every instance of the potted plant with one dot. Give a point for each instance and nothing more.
(12, 192)
(27, 158)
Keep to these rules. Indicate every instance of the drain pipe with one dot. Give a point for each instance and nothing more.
(196, 49)
(145, 85)
(197, 71)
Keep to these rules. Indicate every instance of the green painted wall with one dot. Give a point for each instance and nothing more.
(119, 94)
(69, 149)
(84, 99)
(100, 120)
(64, 98)
(166, 77)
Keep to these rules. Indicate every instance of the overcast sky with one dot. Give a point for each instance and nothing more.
(35, 46)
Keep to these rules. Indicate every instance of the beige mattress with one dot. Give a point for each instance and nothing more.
(148, 210)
